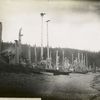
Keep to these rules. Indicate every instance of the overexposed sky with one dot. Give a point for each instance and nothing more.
(74, 24)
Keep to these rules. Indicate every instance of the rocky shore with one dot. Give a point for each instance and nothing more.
(96, 85)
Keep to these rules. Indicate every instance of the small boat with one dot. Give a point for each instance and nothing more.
(81, 72)
(61, 73)
(46, 73)
(57, 72)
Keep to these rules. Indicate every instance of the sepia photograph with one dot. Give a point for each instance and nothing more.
(50, 49)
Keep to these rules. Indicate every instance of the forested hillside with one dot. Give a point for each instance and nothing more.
(93, 57)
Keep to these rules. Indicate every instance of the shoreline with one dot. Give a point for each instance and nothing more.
(48, 87)
(96, 85)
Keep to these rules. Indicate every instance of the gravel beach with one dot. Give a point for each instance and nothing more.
(49, 87)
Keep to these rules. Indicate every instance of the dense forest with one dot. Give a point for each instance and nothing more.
(93, 57)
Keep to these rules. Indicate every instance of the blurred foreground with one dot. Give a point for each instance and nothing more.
(49, 87)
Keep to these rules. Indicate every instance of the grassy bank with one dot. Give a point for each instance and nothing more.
(14, 80)
(10, 68)
(16, 85)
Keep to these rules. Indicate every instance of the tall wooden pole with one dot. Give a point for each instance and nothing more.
(72, 59)
(47, 40)
(20, 35)
(79, 57)
(29, 54)
(86, 60)
(50, 60)
(82, 59)
(57, 59)
(19, 40)
(42, 14)
(63, 53)
(17, 52)
(0, 36)
(35, 54)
